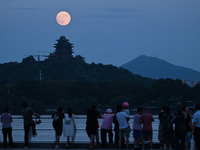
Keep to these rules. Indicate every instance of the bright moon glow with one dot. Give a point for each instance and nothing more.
(63, 18)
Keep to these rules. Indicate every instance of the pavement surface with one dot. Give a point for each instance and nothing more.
(76, 146)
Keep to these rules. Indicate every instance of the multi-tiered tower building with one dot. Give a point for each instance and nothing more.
(63, 49)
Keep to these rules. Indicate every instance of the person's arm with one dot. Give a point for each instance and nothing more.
(102, 116)
(11, 120)
(193, 127)
(141, 120)
(114, 119)
(99, 115)
(190, 122)
(127, 116)
(173, 120)
(37, 115)
(152, 119)
(194, 123)
(63, 115)
(73, 117)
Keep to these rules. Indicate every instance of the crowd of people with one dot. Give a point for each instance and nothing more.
(187, 131)
(186, 134)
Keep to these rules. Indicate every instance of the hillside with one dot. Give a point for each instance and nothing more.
(156, 68)
(60, 69)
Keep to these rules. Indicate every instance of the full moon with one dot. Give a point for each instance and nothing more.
(63, 18)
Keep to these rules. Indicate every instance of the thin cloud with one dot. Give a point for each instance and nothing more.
(25, 8)
(114, 16)
(125, 13)
(21, 8)
(121, 10)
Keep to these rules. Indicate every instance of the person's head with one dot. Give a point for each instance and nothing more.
(164, 108)
(167, 109)
(69, 111)
(139, 110)
(6, 110)
(197, 106)
(183, 108)
(186, 109)
(109, 111)
(93, 107)
(179, 113)
(60, 109)
(125, 105)
(119, 108)
(24, 104)
(179, 106)
(147, 109)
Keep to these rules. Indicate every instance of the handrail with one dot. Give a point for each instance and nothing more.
(46, 132)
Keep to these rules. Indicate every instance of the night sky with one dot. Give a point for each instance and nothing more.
(103, 31)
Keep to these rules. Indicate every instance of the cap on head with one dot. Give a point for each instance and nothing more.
(125, 105)
(109, 110)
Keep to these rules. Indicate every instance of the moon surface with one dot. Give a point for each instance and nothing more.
(63, 18)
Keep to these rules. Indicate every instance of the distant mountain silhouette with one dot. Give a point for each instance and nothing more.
(156, 68)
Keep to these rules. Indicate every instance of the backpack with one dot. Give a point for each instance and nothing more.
(67, 119)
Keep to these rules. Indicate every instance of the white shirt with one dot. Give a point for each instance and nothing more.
(122, 119)
(196, 118)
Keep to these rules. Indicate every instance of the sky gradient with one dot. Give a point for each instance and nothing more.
(103, 31)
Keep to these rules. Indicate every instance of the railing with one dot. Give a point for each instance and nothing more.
(46, 132)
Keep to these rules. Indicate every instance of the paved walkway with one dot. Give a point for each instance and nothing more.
(59, 149)
(76, 146)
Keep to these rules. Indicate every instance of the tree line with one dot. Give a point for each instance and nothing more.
(63, 69)
(46, 96)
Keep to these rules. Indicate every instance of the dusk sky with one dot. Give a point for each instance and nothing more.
(103, 31)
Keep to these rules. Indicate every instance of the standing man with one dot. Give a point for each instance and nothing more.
(27, 113)
(146, 120)
(137, 128)
(188, 125)
(196, 126)
(122, 118)
(6, 120)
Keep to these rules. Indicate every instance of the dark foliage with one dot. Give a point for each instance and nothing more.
(63, 69)
(76, 84)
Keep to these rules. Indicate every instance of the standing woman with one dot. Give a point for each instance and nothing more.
(6, 120)
(69, 127)
(58, 124)
(167, 128)
(91, 126)
(106, 127)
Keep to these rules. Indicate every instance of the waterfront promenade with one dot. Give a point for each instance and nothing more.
(46, 134)
(77, 146)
